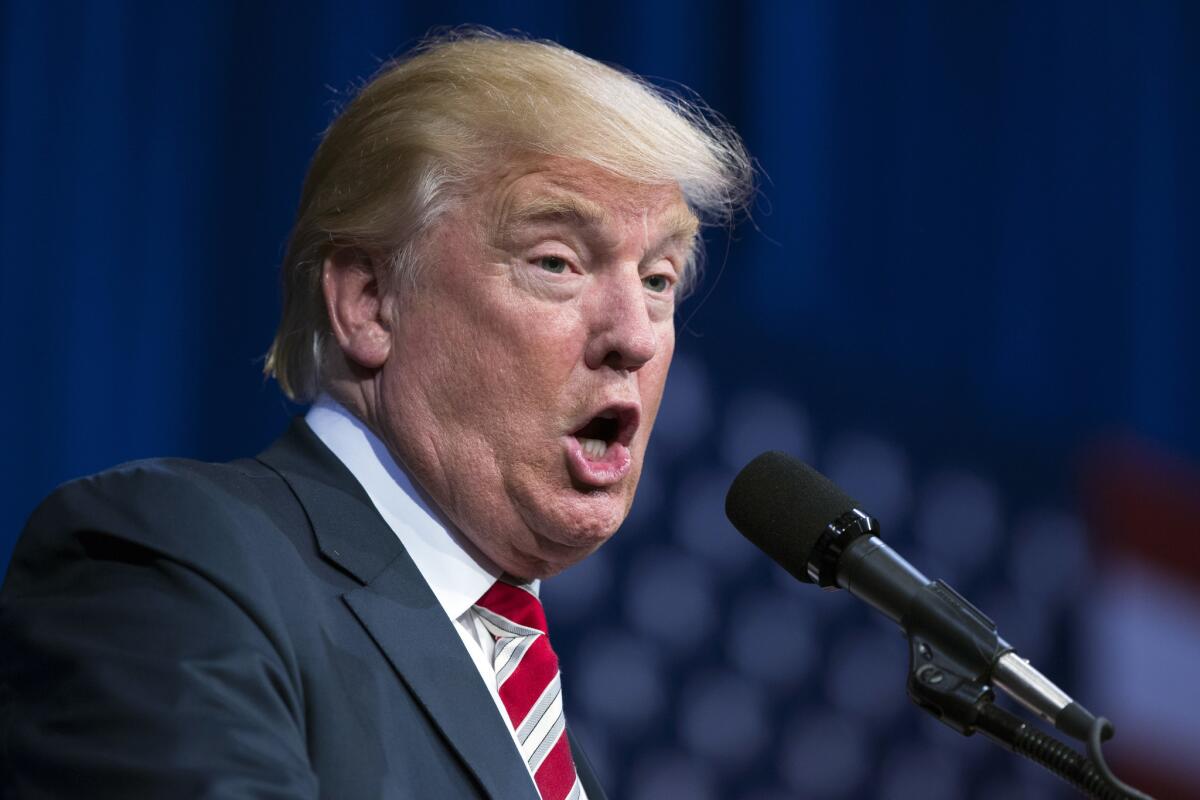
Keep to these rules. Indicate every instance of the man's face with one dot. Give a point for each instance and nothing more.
(527, 367)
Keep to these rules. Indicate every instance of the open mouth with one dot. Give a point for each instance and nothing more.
(611, 425)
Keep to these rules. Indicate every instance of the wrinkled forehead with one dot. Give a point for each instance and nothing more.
(582, 195)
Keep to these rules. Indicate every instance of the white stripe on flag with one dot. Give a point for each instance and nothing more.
(1142, 653)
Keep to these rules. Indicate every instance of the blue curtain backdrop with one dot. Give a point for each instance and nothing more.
(973, 257)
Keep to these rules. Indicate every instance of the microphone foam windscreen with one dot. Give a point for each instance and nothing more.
(783, 506)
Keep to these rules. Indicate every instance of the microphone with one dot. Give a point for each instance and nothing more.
(820, 535)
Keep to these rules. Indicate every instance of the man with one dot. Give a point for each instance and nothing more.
(479, 299)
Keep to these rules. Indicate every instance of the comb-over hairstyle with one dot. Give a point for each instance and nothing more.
(412, 139)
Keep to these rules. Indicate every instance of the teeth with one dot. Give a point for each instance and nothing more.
(595, 448)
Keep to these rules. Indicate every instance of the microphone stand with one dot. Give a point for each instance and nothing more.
(962, 698)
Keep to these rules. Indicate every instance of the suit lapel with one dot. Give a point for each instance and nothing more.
(400, 612)
(583, 767)
(405, 620)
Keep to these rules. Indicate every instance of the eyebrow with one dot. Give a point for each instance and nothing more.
(556, 208)
(680, 224)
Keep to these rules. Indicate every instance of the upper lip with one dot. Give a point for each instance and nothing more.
(628, 416)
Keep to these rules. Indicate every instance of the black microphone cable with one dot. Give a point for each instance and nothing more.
(1089, 774)
(1103, 729)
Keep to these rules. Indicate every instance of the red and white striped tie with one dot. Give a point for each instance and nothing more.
(528, 682)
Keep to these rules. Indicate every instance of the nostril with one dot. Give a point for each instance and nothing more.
(616, 360)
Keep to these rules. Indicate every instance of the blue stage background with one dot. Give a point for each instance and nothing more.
(972, 262)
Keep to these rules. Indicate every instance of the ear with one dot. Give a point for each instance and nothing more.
(356, 307)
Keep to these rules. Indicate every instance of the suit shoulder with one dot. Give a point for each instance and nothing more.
(191, 511)
(183, 491)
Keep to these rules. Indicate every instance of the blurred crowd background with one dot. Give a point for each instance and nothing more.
(966, 292)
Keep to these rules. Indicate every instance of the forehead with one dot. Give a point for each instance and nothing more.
(561, 191)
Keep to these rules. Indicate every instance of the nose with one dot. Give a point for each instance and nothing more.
(623, 336)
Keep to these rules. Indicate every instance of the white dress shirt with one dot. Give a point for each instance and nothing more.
(455, 570)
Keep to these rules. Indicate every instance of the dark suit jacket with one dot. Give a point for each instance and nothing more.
(175, 629)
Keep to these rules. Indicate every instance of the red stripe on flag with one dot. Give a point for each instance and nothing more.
(1147, 773)
(1144, 502)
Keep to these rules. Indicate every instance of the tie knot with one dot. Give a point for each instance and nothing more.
(514, 604)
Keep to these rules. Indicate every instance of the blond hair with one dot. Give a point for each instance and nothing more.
(390, 163)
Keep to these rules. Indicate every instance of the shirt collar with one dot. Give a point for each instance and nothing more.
(455, 570)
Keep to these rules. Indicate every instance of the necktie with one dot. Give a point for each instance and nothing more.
(529, 685)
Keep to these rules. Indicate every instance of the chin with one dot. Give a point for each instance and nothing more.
(543, 557)
(567, 523)
(586, 519)
(568, 529)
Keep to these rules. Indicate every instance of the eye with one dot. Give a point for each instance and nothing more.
(657, 283)
(553, 264)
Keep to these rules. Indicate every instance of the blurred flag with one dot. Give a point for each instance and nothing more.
(1142, 648)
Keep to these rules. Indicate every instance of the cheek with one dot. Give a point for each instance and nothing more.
(441, 369)
(504, 371)
(539, 348)
(653, 377)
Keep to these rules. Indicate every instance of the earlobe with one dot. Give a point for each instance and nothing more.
(355, 304)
